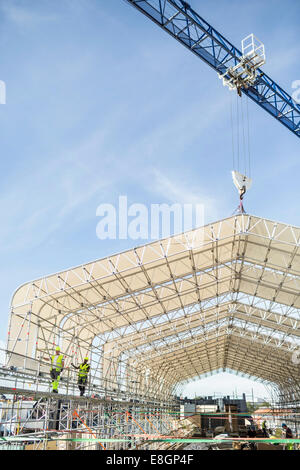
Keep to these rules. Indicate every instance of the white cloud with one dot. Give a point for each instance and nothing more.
(282, 60)
(23, 16)
(177, 191)
(182, 129)
(34, 210)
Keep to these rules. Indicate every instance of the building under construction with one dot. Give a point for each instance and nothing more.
(223, 297)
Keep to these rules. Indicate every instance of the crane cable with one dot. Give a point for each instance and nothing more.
(232, 131)
(240, 133)
(249, 143)
(242, 154)
(243, 137)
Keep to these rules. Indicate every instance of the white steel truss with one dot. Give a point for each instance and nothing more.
(224, 296)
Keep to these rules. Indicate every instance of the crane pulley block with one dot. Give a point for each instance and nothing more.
(242, 183)
(245, 73)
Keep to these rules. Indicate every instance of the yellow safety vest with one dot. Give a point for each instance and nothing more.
(56, 362)
(83, 370)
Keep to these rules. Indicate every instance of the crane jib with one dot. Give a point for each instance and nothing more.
(179, 20)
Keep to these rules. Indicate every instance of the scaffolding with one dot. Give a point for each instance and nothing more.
(151, 319)
(41, 422)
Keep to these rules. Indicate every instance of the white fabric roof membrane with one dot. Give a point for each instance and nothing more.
(226, 295)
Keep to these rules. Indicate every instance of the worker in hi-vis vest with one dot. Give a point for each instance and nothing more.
(83, 371)
(57, 365)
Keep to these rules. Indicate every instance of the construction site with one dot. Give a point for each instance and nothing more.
(97, 356)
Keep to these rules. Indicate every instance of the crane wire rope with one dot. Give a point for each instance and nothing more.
(249, 143)
(243, 137)
(240, 135)
(232, 131)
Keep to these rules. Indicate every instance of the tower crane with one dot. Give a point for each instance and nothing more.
(240, 70)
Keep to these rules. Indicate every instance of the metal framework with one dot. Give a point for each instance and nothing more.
(224, 296)
(39, 421)
(178, 19)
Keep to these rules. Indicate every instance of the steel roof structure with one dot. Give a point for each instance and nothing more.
(224, 296)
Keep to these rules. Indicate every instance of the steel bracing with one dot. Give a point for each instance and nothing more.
(221, 297)
(178, 19)
(40, 421)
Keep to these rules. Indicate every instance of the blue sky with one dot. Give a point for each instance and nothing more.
(101, 103)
